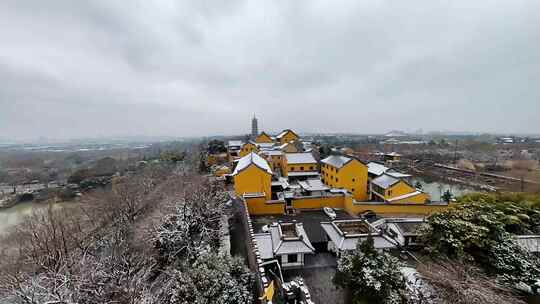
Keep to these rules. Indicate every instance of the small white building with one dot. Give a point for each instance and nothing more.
(234, 147)
(286, 242)
(344, 235)
(402, 230)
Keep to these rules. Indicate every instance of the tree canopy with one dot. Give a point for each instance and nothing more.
(481, 229)
(371, 276)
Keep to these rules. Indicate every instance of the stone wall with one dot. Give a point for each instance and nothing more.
(253, 254)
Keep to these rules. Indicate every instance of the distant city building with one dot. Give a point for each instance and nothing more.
(254, 128)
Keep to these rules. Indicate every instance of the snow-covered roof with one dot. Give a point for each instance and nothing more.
(300, 158)
(385, 181)
(235, 143)
(405, 226)
(336, 161)
(263, 134)
(297, 242)
(347, 240)
(265, 145)
(282, 181)
(280, 135)
(287, 144)
(404, 196)
(376, 168)
(273, 152)
(264, 243)
(313, 185)
(397, 174)
(252, 158)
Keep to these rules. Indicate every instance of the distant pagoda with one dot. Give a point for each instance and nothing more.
(254, 127)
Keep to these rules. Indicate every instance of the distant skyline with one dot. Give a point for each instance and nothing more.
(111, 68)
(150, 138)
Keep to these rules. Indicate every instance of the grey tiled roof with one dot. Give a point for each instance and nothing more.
(345, 242)
(376, 168)
(264, 242)
(385, 181)
(336, 161)
(300, 158)
(234, 143)
(313, 185)
(287, 245)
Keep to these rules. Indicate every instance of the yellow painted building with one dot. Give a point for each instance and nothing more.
(253, 177)
(346, 173)
(275, 158)
(393, 190)
(290, 147)
(287, 136)
(299, 164)
(253, 183)
(247, 148)
(263, 138)
(390, 209)
(258, 205)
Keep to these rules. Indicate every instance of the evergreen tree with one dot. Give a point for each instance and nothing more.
(371, 276)
(447, 196)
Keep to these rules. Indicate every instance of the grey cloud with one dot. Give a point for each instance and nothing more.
(86, 68)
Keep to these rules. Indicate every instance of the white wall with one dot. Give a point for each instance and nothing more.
(285, 263)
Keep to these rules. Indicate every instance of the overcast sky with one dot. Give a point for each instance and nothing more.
(189, 68)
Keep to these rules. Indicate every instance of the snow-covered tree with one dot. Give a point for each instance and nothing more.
(194, 225)
(480, 232)
(212, 278)
(371, 276)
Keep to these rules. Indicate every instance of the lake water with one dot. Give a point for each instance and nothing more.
(12, 216)
(436, 189)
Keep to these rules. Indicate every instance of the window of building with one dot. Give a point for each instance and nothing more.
(292, 258)
(352, 190)
(353, 180)
(301, 168)
(336, 179)
(311, 168)
(389, 192)
(292, 168)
